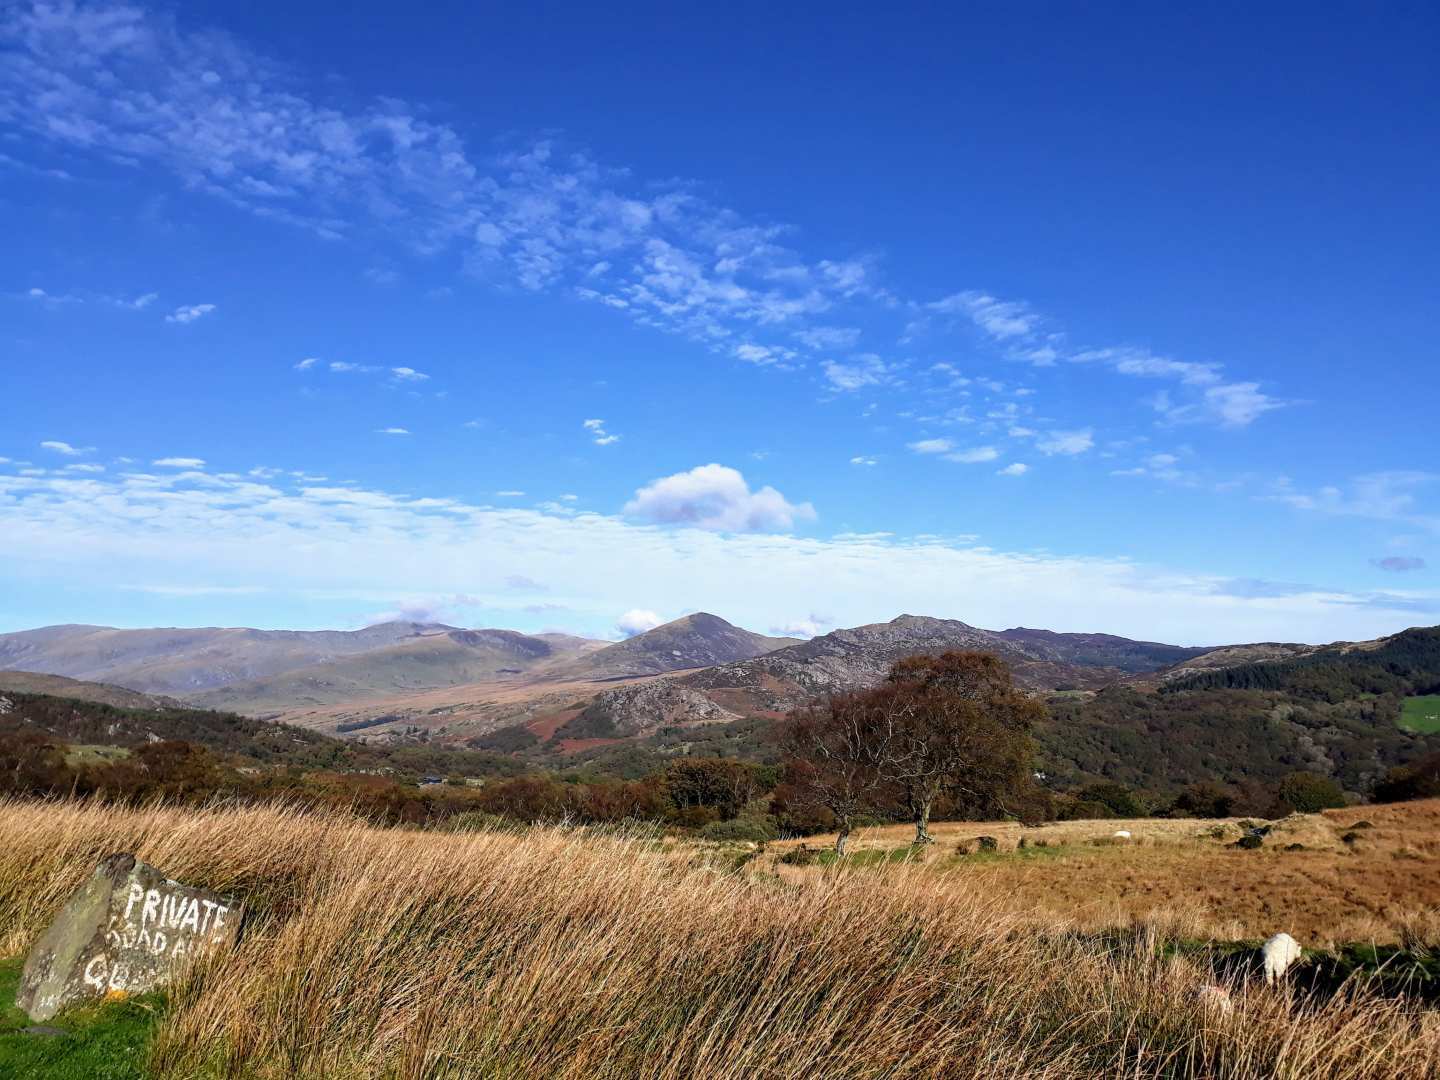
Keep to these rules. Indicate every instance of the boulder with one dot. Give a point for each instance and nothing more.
(126, 931)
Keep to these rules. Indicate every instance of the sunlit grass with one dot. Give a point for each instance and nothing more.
(561, 954)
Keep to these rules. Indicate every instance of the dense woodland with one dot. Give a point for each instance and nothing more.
(1406, 664)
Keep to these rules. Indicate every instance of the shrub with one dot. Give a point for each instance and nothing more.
(1306, 793)
(1117, 798)
(754, 830)
(1204, 800)
(1072, 809)
(1418, 780)
(798, 856)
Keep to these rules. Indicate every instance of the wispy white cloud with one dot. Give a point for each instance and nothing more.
(932, 446)
(1001, 319)
(716, 497)
(304, 541)
(1160, 466)
(139, 303)
(762, 354)
(828, 337)
(1065, 442)
(598, 435)
(1015, 468)
(1381, 496)
(392, 431)
(65, 448)
(864, 459)
(399, 375)
(41, 296)
(1229, 404)
(1016, 327)
(132, 85)
(858, 372)
(189, 313)
(179, 462)
(973, 455)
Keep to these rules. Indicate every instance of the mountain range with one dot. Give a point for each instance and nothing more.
(401, 679)
(1144, 713)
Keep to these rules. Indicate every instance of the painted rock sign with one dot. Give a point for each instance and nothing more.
(127, 929)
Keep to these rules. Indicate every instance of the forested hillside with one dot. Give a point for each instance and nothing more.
(1406, 664)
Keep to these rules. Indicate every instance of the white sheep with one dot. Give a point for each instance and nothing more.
(1122, 834)
(1279, 953)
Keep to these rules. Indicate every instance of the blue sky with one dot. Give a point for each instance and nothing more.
(1104, 319)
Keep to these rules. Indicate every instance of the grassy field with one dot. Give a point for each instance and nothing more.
(1330, 891)
(1421, 714)
(109, 1041)
(545, 953)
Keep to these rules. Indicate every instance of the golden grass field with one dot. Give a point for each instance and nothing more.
(1330, 892)
(547, 953)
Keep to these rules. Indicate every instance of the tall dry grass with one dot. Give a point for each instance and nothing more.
(552, 954)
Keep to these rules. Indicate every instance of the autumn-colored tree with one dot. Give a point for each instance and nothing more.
(839, 755)
(961, 729)
(722, 783)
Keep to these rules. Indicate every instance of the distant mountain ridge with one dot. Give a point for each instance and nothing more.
(392, 680)
(182, 661)
(859, 657)
(270, 672)
(427, 661)
(694, 641)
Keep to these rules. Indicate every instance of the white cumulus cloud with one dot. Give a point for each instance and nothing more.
(637, 621)
(716, 497)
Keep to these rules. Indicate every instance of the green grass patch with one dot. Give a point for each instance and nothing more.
(92, 754)
(1030, 851)
(104, 1041)
(867, 857)
(1421, 714)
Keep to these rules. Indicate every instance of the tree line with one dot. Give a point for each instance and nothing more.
(943, 736)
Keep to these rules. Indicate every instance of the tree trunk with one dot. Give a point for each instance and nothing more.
(841, 838)
(922, 824)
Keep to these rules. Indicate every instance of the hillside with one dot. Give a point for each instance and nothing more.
(181, 662)
(95, 723)
(695, 641)
(31, 682)
(425, 662)
(855, 658)
(1228, 656)
(1334, 711)
(1404, 664)
(240, 740)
